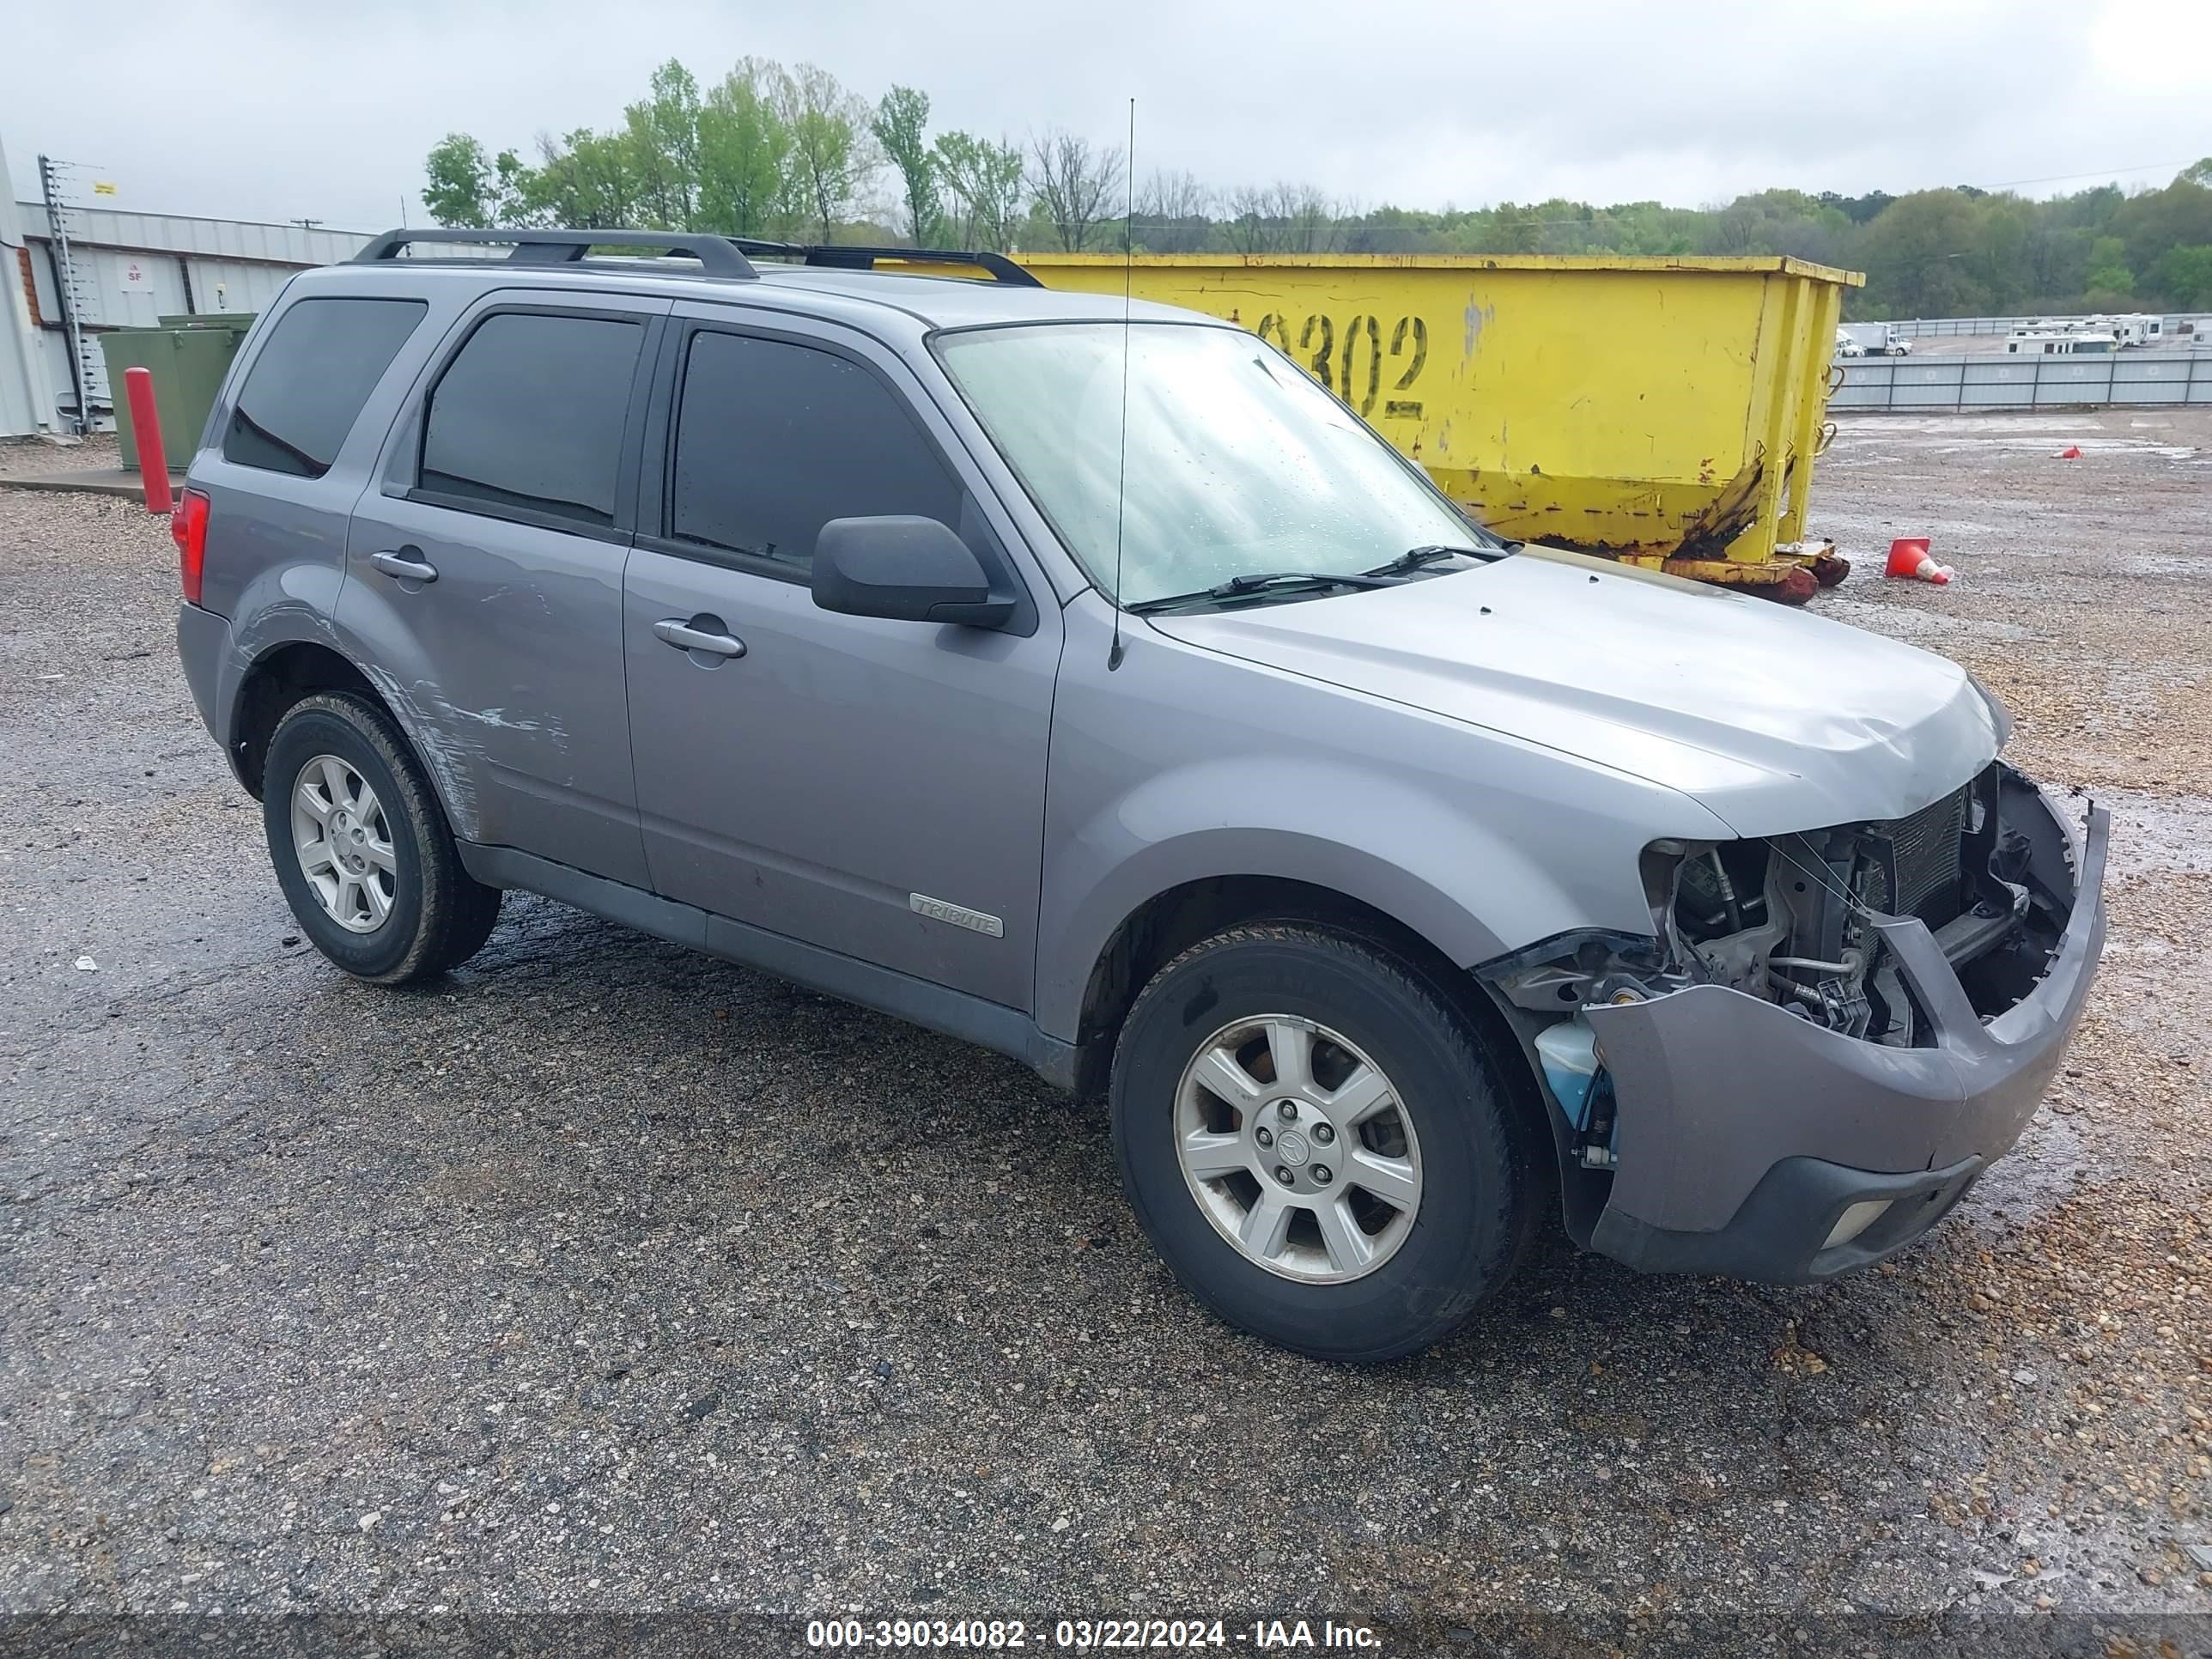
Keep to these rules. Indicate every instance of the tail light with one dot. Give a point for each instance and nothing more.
(188, 524)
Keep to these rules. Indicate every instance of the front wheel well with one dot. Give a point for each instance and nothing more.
(277, 680)
(1171, 922)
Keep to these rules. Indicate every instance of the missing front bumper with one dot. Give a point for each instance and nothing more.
(1745, 1133)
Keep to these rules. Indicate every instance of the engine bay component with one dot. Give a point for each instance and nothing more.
(1792, 920)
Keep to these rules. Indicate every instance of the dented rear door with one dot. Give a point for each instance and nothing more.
(484, 572)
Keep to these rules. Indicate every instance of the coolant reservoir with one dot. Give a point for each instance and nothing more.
(1568, 1053)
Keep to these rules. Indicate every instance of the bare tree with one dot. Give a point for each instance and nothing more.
(1171, 212)
(1074, 184)
(1283, 218)
(1245, 220)
(1310, 219)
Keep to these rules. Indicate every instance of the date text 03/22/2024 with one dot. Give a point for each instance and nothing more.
(1093, 1635)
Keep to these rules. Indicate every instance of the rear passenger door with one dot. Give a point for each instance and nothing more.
(484, 572)
(872, 788)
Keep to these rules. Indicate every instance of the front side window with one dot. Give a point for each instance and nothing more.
(529, 417)
(309, 381)
(1236, 462)
(773, 441)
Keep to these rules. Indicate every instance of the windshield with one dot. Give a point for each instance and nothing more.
(1238, 465)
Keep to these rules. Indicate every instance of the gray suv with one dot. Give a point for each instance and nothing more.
(1082, 680)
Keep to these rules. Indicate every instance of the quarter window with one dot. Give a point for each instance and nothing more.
(773, 441)
(309, 381)
(529, 417)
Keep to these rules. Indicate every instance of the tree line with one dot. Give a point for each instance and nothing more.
(790, 154)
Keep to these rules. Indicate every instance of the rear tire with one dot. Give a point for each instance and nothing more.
(1405, 1165)
(362, 847)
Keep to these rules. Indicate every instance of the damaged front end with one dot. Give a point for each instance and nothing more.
(1820, 1026)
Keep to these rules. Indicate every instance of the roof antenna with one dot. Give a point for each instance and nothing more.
(1128, 278)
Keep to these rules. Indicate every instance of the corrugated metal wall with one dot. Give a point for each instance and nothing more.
(2166, 378)
(134, 268)
(1930, 328)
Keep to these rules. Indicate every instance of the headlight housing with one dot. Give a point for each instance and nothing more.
(1569, 971)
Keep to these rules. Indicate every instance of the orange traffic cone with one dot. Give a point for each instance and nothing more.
(1909, 557)
(2072, 452)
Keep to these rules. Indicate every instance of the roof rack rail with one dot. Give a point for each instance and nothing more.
(839, 256)
(718, 256)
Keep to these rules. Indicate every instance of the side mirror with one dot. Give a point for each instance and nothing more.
(909, 569)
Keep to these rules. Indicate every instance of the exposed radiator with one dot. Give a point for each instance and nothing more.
(1926, 846)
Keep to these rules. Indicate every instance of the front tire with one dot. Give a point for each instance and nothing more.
(362, 847)
(1321, 1148)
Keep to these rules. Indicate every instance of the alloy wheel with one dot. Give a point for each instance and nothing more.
(343, 843)
(1298, 1149)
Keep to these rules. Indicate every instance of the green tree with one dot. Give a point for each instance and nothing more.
(464, 185)
(2109, 277)
(830, 159)
(984, 180)
(2184, 276)
(663, 129)
(2180, 215)
(899, 125)
(586, 179)
(1916, 254)
(745, 186)
(1507, 228)
(774, 154)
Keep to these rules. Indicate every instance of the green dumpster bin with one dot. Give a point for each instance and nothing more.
(188, 356)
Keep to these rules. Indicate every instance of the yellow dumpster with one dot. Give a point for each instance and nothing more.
(1663, 411)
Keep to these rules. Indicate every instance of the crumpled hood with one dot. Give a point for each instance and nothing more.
(1774, 720)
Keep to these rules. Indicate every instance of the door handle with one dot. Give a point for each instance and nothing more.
(406, 568)
(684, 637)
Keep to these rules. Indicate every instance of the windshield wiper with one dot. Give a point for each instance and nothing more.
(1259, 581)
(1414, 558)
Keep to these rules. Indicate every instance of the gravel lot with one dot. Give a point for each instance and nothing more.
(605, 1277)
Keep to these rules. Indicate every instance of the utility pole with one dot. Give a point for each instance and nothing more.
(69, 287)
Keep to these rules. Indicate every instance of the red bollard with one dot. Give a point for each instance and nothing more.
(146, 427)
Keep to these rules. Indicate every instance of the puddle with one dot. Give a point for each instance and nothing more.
(2159, 835)
(1863, 530)
(1901, 621)
(2171, 564)
(1851, 426)
(1975, 435)
(2048, 1166)
(2089, 447)
(2137, 684)
(1834, 458)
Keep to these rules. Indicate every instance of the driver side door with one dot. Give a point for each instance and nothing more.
(869, 786)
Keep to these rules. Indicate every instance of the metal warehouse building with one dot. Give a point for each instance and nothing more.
(104, 269)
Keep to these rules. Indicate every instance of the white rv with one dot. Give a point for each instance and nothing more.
(2058, 343)
(2134, 329)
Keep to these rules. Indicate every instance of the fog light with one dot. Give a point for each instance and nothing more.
(1856, 1220)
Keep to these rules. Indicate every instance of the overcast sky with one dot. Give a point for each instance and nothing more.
(253, 110)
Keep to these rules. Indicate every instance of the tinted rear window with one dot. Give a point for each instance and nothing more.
(306, 386)
(530, 416)
(773, 440)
